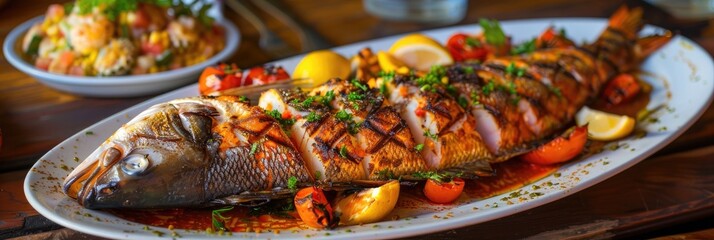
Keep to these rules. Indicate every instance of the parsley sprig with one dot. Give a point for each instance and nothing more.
(493, 32)
(218, 220)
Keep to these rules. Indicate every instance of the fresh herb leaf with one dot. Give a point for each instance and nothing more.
(89, 133)
(354, 96)
(555, 90)
(510, 69)
(312, 117)
(292, 183)
(254, 148)
(343, 115)
(488, 88)
(327, 99)
(520, 72)
(343, 151)
(243, 99)
(463, 102)
(493, 32)
(428, 134)
(218, 219)
(284, 123)
(359, 85)
(474, 98)
(471, 42)
(353, 127)
(419, 147)
(524, 48)
(468, 70)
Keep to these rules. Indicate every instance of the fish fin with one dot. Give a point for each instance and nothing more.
(649, 44)
(472, 170)
(253, 199)
(627, 20)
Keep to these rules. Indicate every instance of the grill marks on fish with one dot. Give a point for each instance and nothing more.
(384, 142)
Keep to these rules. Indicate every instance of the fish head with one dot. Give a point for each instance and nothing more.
(159, 158)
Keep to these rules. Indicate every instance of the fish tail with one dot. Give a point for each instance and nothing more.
(649, 44)
(626, 20)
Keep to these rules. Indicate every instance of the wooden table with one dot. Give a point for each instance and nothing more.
(671, 192)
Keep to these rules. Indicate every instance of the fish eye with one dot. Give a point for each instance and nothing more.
(135, 164)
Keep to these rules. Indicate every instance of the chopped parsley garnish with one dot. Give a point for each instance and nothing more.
(386, 77)
(312, 117)
(463, 102)
(354, 96)
(343, 151)
(254, 148)
(307, 102)
(352, 126)
(343, 115)
(433, 77)
(218, 219)
(89, 133)
(474, 98)
(524, 48)
(428, 134)
(360, 85)
(555, 90)
(471, 42)
(243, 99)
(510, 69)
(493, 32)
(468, 70)
(419, 147)
(329, 96)
(562, 33)
(284, 123)
(488, 88)
(292, 183)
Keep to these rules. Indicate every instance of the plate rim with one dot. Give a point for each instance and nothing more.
(433, 226)
(232, 34)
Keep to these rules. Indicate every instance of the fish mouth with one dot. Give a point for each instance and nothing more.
(82, 183)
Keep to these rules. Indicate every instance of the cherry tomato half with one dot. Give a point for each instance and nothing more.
(621, 89)
(443, 192)
(268, 74)
(561, 149)
(313, 208)
(220, 77)
(464, 47)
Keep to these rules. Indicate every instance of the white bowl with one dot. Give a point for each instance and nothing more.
(118, 86)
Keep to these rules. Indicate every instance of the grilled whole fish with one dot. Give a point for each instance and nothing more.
(185, 152)
(220, 150)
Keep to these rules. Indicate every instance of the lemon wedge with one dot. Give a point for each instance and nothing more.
(369, 205)
(321, 66)
(604, 126)
(388, 63)
(420, 52)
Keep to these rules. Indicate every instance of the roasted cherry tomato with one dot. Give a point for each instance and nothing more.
(443, 192)
(561, 149)
(464, 47)
(313, 208)
(621, 89)
(220, 77)
(268, 74)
